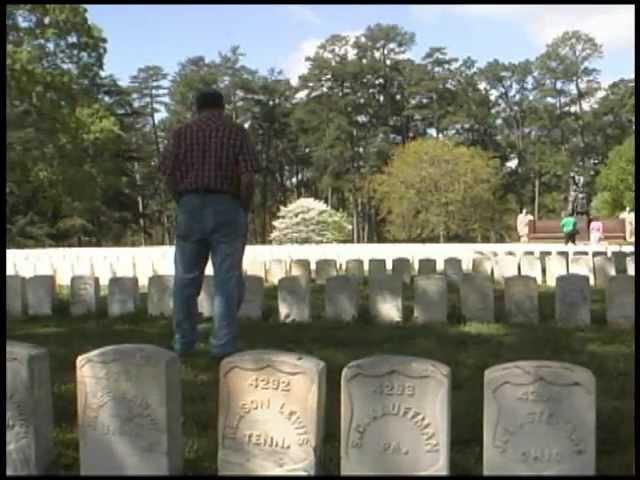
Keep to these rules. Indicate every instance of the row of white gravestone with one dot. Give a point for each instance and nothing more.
(499, 266)
(395, 418)
(342, 298)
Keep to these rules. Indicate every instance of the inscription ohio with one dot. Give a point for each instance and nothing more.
(539, 418)
(395, 416)
(123, 401)
(270, 407)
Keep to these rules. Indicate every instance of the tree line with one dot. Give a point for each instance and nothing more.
(83, 149)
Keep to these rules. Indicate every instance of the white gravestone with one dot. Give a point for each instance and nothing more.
(102, 269)
(377, 266)
(25, 267)
(631, 264)
(555, 265)
(16, 292)
(43, 266)
(430, 298)
(160, 295)
(253, 266)
(621, 301)
(543, 254)
(325, 268)
(531, 266)
(385, 298)
(10, 265)
(164, 264)
(271, 413)
(482, 264)
(521, 300)
(122, 295)
(396, 416)
(355, 268)
(426, 266)
(403, 268)
(603, 269)
(29, 410)
(453, 269)
(277, 270)
(341, 298)
(302, 268)
(143, 265)
(467, 263)
(582, 265)
(251, 307)
(82, 266)
(477, 298)
(84, 292)
(539, 419)
(207, 293)
(573, 300)
(505, 266)
(122, 266)
(40, 290)
(294, 302)
(129, 411)
(619, 261)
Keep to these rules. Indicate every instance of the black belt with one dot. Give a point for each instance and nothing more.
(179, 195)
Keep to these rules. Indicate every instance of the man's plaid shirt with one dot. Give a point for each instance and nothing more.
(208, 153)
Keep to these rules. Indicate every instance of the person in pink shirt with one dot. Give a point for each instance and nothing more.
(595, 231)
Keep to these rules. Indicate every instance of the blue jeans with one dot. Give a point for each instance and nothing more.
(209, 224)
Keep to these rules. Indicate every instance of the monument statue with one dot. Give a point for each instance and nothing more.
(578, 199)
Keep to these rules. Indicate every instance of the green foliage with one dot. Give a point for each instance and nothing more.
(613, 118)
(82, 150)
(310, 221)
(434, 187)
(616, 182)
(62, 135)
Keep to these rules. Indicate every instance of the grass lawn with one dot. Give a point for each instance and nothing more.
(468, 349)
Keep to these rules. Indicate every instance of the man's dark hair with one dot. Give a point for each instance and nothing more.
(209, 99)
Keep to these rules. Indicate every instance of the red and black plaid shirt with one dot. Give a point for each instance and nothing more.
(208, 153)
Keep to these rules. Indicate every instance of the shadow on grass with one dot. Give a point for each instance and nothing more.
(467, 348)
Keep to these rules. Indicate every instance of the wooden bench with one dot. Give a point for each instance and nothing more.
(549, 230)
(613, 229)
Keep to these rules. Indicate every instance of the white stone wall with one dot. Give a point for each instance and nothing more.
(341, 252)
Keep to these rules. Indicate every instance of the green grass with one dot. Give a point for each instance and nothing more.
(468, 349)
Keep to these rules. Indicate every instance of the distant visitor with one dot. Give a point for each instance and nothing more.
(595, 231)
(629, 218)
(522, 225)
(569, 227)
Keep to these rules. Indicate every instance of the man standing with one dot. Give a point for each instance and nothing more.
(209, 165)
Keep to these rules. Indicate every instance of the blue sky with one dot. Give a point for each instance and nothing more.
(281, 35)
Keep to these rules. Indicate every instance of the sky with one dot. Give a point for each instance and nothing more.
(281, 36)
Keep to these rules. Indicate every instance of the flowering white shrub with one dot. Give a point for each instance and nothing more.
(308, 220)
